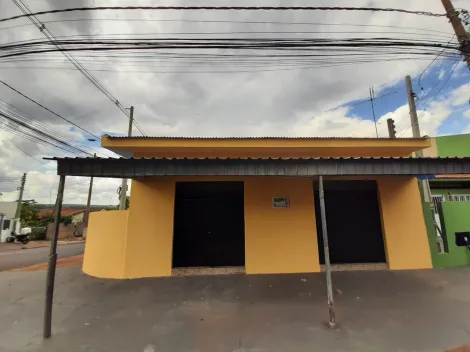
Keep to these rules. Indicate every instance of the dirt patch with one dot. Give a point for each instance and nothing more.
(61, 263)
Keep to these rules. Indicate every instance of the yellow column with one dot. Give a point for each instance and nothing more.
(406, 241)
(280, 240)
(149, 241)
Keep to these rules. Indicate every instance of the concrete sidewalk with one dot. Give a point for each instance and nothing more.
(376, 311)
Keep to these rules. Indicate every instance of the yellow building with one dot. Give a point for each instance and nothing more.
(251, 204)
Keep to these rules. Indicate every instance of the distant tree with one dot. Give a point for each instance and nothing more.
(66, 220)
(127, 203)
(29, 211)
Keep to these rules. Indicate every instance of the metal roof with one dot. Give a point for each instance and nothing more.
(302, 167)
(265, 137)
(453, 177)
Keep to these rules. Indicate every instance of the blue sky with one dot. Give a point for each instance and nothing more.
(433, 86)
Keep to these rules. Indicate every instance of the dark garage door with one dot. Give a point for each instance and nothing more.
(353, 222)
(209, 229)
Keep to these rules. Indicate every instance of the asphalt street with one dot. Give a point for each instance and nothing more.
(386, 311)
(25, 257)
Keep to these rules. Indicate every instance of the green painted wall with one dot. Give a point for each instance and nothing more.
(453, 146)
(457, 219)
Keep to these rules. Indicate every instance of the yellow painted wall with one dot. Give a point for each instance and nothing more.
(150, 228)
(280, 240)
(405, 234)
(138, 243)
(105, 244)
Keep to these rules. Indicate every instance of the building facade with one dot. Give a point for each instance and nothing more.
(258, 224)
(451, 200)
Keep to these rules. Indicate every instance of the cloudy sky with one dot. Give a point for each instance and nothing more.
(174, 99)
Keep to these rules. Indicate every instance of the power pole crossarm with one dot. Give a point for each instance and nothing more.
(460, 32)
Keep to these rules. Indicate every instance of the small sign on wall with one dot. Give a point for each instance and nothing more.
(281, 202)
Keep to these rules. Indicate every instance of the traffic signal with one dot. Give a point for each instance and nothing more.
(392, 132)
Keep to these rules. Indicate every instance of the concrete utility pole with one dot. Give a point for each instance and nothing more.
(123, 195)
(20, 198)
(416, 134)
(413, 114)
(88, 204)
(462, 35)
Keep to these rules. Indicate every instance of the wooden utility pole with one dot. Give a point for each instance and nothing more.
(462, 35)
(123, 195)
(20, 198)
(88, 205)
(372, 97)
(52, 262)
(329, 285)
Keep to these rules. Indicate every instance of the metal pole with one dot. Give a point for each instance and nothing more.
(372, 97)
(2, 216)
(88, 205)
(51, 266)
(329, 286)
(122, 200)
(20, 198)
(462, 36)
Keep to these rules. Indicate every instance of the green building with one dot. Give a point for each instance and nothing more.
(450, 213)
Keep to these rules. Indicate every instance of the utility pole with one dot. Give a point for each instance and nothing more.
(329, 284)
(20, 198)
(417, 134)
(413, 113)
(372, 97)
(462, 35)
(88, 204)
(123, 195)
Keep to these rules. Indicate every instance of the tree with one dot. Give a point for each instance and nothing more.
(29, 211)
(127, 203)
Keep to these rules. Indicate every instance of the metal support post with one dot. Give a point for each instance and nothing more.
(88, 205)
(329, 286)
(123, 195)
(51, 266)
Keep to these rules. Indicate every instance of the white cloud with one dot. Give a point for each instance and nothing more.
(242, 104)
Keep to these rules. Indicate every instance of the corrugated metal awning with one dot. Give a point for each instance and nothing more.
(144, 167)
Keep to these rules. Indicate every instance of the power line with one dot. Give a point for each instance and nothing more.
(32, 17)
(226, 8)
(23, 119)
(32, 157)
(52, 112)
(421, 74)
(281, 23)
(448, 74)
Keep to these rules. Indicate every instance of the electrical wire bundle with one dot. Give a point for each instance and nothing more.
(235, 53)
(20, 124)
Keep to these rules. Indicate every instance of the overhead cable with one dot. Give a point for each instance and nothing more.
(226, 8)
(32, 16)
(52, 112)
